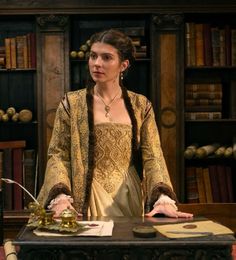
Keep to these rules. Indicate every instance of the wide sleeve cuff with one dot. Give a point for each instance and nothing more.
(56, 190)
(157, 191)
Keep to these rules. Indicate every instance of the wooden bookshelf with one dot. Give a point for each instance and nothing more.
(61, 27)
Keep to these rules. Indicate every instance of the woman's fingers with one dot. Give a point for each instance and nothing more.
(168, 211)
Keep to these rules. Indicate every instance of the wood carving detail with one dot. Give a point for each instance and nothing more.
(168, 20)
(168, 117)
(45, 21)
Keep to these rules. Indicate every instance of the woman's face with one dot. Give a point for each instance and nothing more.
(104, 63)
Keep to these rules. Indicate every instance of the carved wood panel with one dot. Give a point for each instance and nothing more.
(53, 75)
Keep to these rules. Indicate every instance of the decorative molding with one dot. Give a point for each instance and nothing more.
(168, 21)
(168, 117)
(52, 20)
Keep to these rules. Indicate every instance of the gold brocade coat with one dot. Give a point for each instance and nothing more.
(68, 153)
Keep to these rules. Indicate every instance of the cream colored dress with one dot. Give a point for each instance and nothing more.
(116, 187)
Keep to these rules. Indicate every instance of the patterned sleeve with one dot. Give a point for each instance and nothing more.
(157, 179)
(58, 170)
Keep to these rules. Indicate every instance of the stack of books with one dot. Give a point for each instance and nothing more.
(203, 101)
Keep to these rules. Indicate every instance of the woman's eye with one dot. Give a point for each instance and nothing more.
(92, 55)
(107, 57)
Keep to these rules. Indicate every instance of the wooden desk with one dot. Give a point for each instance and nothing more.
(123, 245)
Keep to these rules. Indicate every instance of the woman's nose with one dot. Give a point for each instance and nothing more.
(97, 62)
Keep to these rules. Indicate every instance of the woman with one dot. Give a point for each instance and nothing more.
(98, 135)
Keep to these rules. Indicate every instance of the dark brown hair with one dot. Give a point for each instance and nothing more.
(126, 51)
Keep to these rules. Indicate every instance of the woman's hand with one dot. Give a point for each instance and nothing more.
(169, 211)
(60, 206)
(60, 203)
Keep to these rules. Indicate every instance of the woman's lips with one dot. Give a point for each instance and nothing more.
(98, 73)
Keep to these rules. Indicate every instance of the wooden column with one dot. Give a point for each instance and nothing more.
(167, 90)
(53, 76)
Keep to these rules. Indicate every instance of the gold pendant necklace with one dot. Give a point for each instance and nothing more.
(107, 107)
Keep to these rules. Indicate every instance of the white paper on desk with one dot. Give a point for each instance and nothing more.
(102, 228)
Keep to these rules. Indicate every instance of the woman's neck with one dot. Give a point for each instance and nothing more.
(107, 91)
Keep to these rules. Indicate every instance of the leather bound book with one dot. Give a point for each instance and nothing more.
(215, 36)
(232, 99)
(229, 184)
(190, 44)
(8, 52)
(233, 47)
(13, 144)
(199, 45)
(214, 183)
(7, 173)
(222, 48)
(29, 166)
(202, 115)
(207, 184)
(207, 44)
(203, 94)
(17, 155)
(227, 45)
(200, 185)
(13, 52)
(207, 87)
(192, 195)
(221, 173)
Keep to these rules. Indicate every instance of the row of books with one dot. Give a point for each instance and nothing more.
(19, 164)
(203, 101)
(210, 184)
(214, 150)
(18, 52)
(209, 45)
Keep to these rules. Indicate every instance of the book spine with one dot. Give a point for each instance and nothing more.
(20, 52)
(222, 48)
(29, 174)
(207, 44)
(7, 173)
(228, 45)
(214, 183)
(13, 52)
(207, 184)
(209, 87)
(233, 47)
(199, 45)
(203, 94)
(13, 144)
(8, 52)
(202, 102)
(229, 184)
(232, 100)
(33, 50)
(202, 115)
(191, 185)
(204, 108)
(18, 177)
(221, 173)
(190, 44)
(215, 35)
(200, 185)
